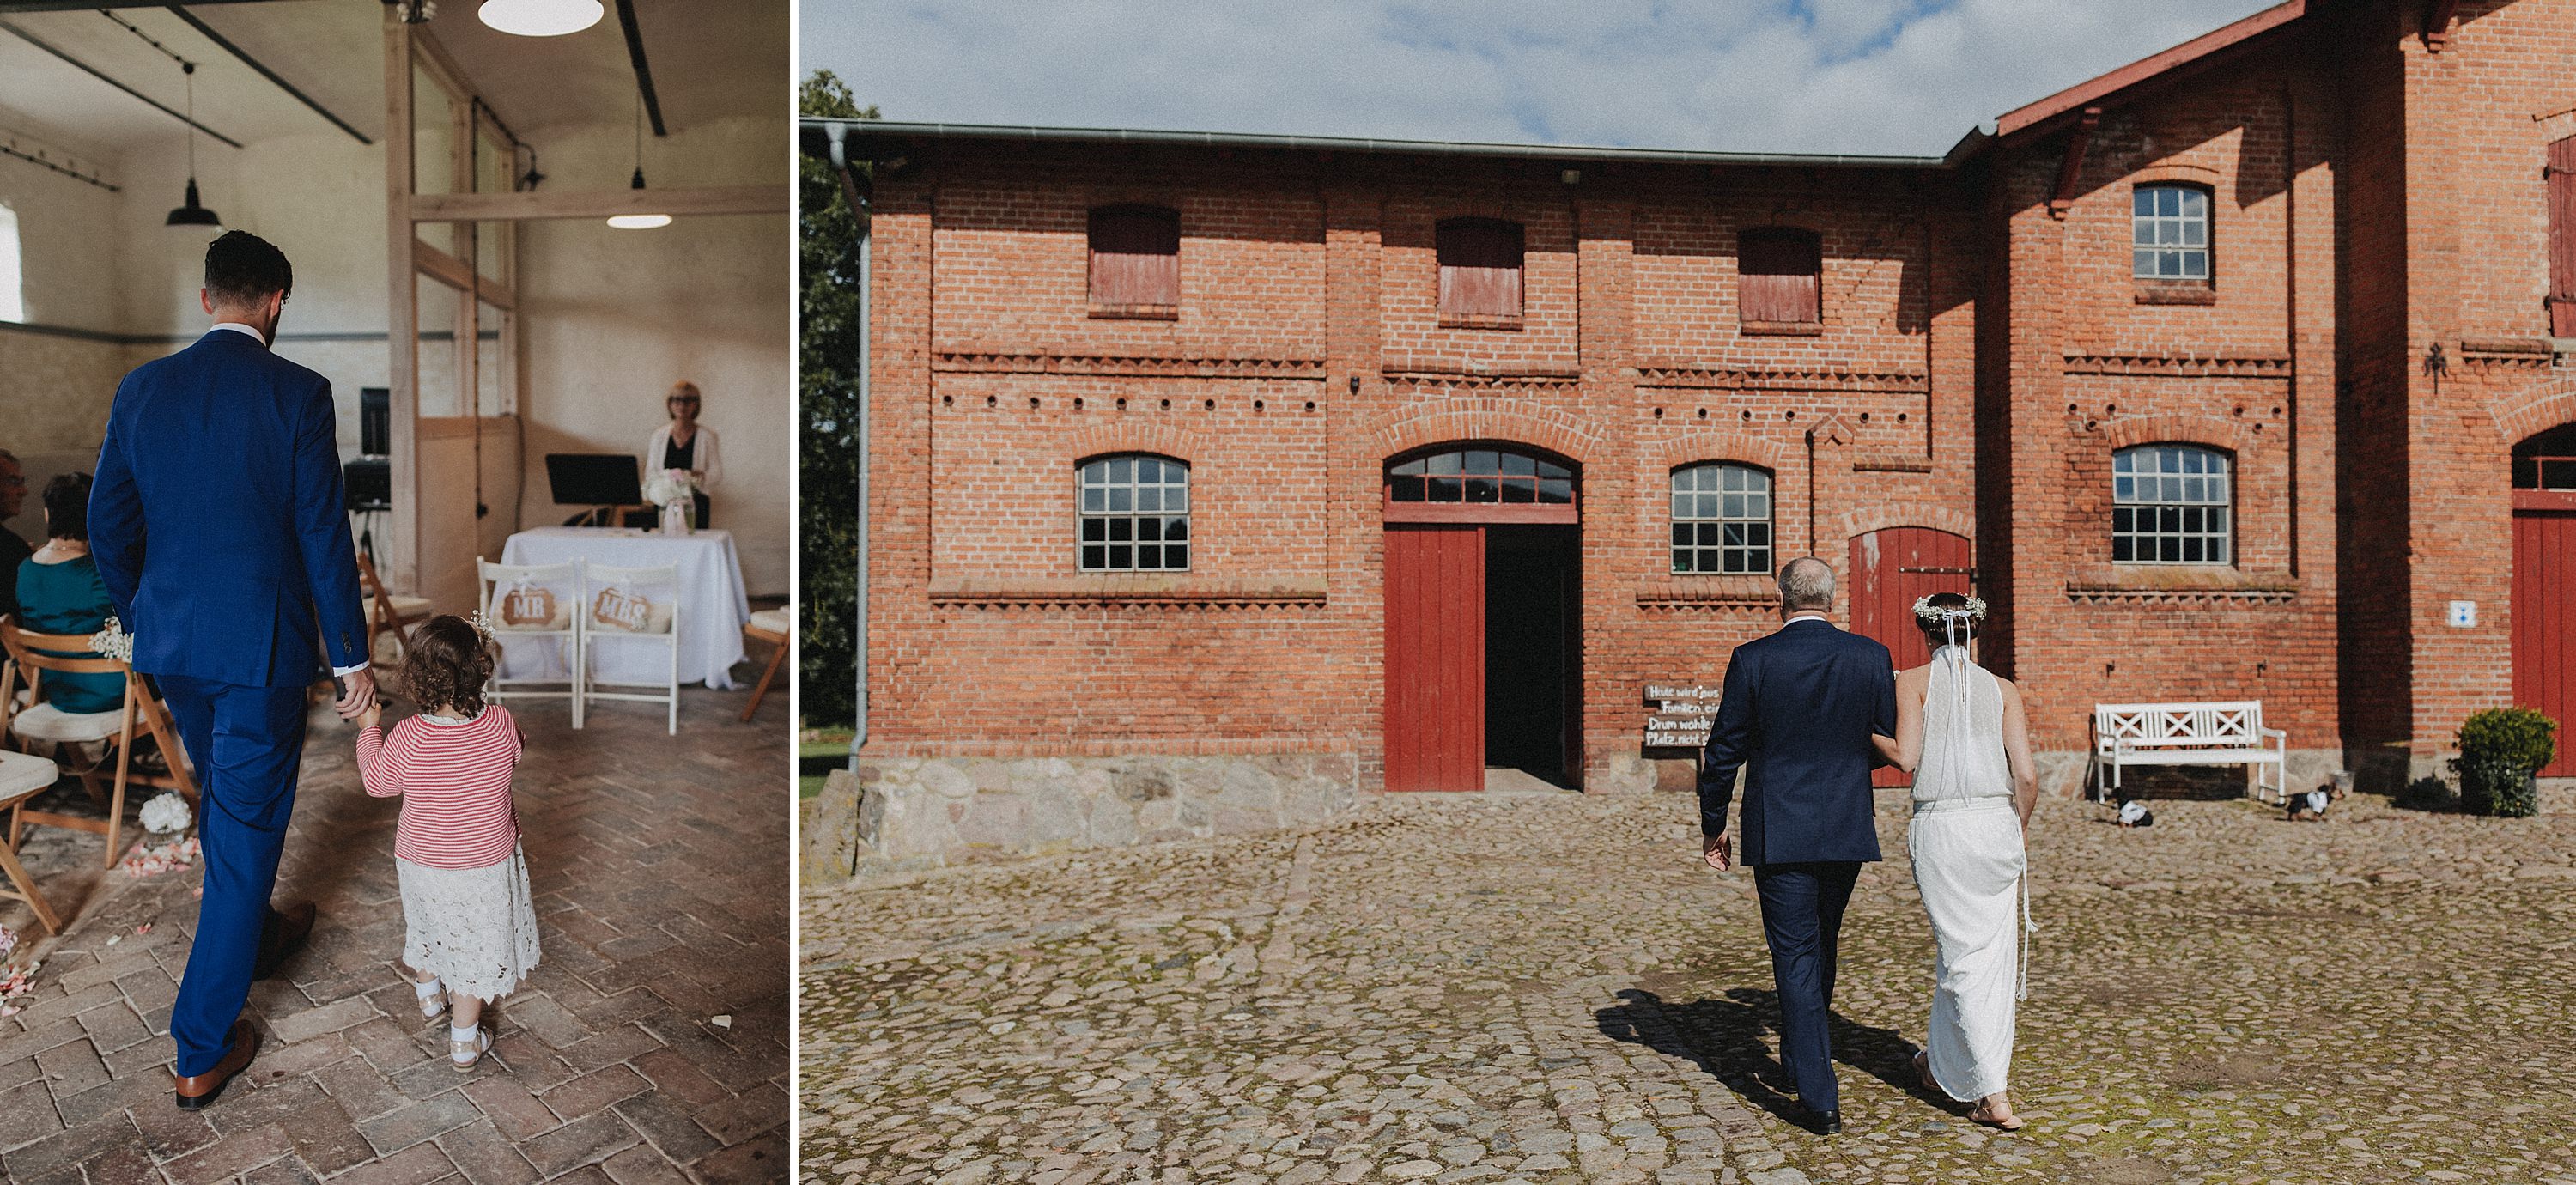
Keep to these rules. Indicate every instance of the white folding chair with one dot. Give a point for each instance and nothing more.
(526, 603)
(627, 609)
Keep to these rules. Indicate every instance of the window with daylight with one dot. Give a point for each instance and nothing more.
(1481, 475)
(1779, 276)
(1135, 514)
(12, 278)
(1136, 261)
(2169, 232)
(1480, 271)
(1721, 519)
(2171, 504)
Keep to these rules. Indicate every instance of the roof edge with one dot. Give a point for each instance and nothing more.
(2099, 87)
(880, 129)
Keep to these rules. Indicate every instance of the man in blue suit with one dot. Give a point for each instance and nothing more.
(1796, 714)
(219, 527)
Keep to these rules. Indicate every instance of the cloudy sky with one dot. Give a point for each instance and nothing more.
(1857, 76)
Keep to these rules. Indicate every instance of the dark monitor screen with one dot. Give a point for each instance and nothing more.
(594, 479)
(375, 421)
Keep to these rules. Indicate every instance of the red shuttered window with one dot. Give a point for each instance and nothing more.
(1779, 277)
(1135, 261)
(2562, 238)
(1480, 272)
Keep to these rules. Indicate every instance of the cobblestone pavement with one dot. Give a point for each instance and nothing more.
(1465, 988)
(660, 870)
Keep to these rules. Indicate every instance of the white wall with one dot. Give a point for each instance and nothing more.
(614, 317)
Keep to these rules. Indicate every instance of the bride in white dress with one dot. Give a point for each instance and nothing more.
(1962, 733)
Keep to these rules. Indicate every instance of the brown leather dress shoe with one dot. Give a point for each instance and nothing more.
(197, 1090)
(295, 924)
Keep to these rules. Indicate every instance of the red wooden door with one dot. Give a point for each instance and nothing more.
(1889, 569)
(2544, 623)
(1435, 656)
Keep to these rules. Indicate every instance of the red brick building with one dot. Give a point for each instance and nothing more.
(2210, 373)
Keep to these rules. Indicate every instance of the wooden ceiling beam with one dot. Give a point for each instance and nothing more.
(539, 205)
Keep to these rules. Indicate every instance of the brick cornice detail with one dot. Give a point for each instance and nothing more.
(1458, 371)
(2244, 366)
(1824, 376)
(2235, 436)
(2152, 584)
(1742, 593)
(2536, 408)
(1129, 436)
(1173, 591)
(1126, 365)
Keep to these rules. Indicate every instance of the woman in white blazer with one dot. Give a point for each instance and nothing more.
(686, 444)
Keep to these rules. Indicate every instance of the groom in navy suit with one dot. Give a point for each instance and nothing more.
(1796, 715)
(219, 527)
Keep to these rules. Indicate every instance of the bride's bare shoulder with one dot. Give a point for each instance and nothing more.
(1913, 675)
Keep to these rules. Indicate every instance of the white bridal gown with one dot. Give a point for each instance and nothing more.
(1968, 864)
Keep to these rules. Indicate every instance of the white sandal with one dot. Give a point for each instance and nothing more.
(463, 1053)
(433, 1000)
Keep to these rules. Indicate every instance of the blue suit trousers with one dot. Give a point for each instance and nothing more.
(247, 744)
(1802, 921)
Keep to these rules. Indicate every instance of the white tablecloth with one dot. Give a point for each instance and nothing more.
(712, 605)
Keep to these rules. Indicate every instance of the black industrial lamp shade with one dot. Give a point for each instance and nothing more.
(192, 213)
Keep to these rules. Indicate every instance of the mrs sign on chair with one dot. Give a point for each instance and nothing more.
(28, 661)
(631, 607)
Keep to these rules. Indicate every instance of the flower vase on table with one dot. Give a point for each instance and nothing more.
(676, 491)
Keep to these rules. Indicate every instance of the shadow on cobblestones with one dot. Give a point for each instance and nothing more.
(1731, 1039)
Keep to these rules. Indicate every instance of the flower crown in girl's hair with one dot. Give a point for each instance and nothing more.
(482, 623)
(1925, 610)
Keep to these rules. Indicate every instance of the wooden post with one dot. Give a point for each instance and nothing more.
(402, 316)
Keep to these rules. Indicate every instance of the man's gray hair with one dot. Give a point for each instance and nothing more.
(1806, 583)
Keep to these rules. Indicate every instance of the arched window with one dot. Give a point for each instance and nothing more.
(2171, 504)
(2169, 232)
(1779, 277)
(1135, 514)
(1135, 260)
(13, 305)
(1480, 270)
(2546, 460)
(1721, 519)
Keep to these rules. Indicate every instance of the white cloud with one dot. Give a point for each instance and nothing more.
(1860, 76)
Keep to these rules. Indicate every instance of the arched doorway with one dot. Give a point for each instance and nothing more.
(2544, 583)
(1889, 569)
(1482, 653)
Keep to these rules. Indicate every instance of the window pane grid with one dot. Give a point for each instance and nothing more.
(1721, 519)
(1480, 476)
(2171, 504)
(1134, 515)
(2169, 233)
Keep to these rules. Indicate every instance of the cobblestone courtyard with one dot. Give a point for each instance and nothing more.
(1462, 988)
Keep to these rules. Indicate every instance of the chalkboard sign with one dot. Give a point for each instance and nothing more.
(1682, 715)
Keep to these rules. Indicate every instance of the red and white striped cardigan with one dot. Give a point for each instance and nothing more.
(454, 780)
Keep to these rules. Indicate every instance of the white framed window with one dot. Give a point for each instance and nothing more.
(13, 280)
(1721, 519)
(2169, 232)
(2172, 504)
(1135, 513)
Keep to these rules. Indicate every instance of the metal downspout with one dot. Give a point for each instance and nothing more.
(858, 199)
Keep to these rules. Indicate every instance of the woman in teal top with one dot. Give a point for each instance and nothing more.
(59, 592)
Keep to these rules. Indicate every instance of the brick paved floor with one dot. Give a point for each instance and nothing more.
(660, 868)
(1462, 988)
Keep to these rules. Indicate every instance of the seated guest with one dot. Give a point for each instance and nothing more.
(59, 592)
(13, 497)
(685, 444)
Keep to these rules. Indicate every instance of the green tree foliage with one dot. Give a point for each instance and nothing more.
(828, 371)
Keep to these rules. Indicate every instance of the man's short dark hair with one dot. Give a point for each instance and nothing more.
(243, 268)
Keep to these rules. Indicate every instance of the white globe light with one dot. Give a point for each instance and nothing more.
(541, 18)
(639, 221)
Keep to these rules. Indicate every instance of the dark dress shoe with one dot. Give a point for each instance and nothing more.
(197, 1090)
(282, 939)
(1823, 1123)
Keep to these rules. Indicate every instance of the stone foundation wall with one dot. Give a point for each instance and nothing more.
(906, 813)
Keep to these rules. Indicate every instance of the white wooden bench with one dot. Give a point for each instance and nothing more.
(2230, 733)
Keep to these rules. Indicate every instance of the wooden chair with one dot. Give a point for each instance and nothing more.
(771, 626)
(41, 721)
(606, 589)
(389, 614)
(24, 776)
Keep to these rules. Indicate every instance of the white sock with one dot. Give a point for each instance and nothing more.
(467, 1035)
(425, 989)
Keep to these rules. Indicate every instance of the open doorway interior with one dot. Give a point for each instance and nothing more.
(1532, 576)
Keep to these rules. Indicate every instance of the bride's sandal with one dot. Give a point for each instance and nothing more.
(1923, 1070)
(464, 1052)
(433, 998)
(1985, 1115)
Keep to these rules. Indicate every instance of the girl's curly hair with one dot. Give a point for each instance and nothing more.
(447, 664)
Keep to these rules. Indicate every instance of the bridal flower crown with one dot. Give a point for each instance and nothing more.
(1925, 610)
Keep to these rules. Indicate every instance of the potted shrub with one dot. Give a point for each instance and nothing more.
(2501, 751)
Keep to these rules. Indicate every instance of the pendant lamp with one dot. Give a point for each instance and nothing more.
(192, 214)
(540, 18)
(639, 221)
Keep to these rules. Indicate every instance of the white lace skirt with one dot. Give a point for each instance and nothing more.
(473, 928)
(1968, 860)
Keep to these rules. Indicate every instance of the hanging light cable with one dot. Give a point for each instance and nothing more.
(191, 213)
(639, 221)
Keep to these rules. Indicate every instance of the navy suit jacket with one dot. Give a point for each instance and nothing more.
(218, 520)
(1795, 716)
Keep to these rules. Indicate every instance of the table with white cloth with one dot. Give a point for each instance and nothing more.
(712, 605)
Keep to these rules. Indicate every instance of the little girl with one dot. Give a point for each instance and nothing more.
(470, 925)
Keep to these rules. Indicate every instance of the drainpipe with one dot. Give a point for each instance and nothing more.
(857, 194)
